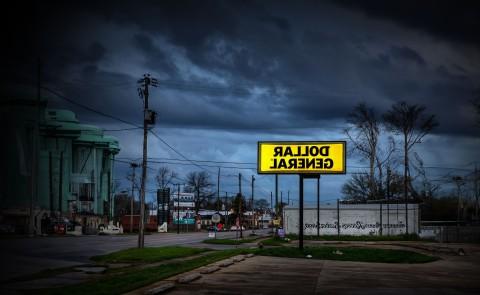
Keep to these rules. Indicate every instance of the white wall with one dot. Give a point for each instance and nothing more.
(355, 219)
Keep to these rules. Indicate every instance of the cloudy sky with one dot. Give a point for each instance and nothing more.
(232, 73)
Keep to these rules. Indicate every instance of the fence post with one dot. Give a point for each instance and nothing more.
(338, 217)
(381, 219)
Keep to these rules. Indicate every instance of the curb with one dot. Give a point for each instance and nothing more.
(189, 278)
(226, 263)
(238, 258)
(170, 283)
(160, 289)
(208, 270)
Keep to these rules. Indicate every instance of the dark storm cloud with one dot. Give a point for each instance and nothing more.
(247, 65)
(457, 21)
(234, 72)
(407, 54)
(94, 53)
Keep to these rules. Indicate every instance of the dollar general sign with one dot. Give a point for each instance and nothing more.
(288, 157)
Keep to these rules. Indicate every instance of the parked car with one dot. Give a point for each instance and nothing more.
(71, 225)
(108, 230)
(234, 227)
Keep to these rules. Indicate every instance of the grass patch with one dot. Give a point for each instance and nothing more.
(147, 255)
(350, 254)
(229, 241)
(405, 237)
(47, 273)
(276, 241)
(137, 278)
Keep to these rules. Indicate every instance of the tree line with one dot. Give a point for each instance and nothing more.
(396, 172)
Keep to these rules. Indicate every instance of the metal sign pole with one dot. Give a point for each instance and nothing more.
(300, 220)
(318, 206)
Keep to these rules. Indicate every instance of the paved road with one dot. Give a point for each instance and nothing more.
(30, 255)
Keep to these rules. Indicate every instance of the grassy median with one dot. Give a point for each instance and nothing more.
(147, 255)
(275, 241)
(229, 241)
(364, 238)
(349, 254)
(137, 278)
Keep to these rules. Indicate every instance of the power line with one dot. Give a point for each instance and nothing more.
(201, 165)
(208, 161)
(177, 152)
(120, 120)
(87, 107)
(123, 129)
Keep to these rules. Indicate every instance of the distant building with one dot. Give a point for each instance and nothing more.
(62, 169)
(354, 219)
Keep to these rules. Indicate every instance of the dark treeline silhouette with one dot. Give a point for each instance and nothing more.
(397, 174)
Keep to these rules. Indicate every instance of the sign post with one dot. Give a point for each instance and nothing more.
(308, 159)
(215, 219)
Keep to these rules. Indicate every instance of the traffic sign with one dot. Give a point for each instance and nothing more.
(216, 218)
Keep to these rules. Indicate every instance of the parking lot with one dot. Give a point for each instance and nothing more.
(275, 275)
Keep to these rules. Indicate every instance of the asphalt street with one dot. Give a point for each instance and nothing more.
(23, 256)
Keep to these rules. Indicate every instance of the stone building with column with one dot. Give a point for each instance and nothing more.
(54, 166)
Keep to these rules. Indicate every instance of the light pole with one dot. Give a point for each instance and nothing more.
(459, 182)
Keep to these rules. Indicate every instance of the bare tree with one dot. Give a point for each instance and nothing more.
(384, 159)
(356, 188)
(364, 134)
(165, 177)
(200, 184)
(411, 122)
(428, 188)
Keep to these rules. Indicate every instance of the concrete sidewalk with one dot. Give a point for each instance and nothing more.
(275, 275)
(452, 274)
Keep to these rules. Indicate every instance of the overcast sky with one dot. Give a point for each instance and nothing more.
(232, 73)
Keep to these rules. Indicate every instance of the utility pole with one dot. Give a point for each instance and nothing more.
(253, 180)
(476, 192)
(276, 195)
(253, 215)
(133, 166)
(148, 118)
(226, 212)
(240, 183)
(178, 208)
(218, 190)
(240, 204)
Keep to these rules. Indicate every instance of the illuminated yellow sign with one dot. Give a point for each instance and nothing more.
(293, 157)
